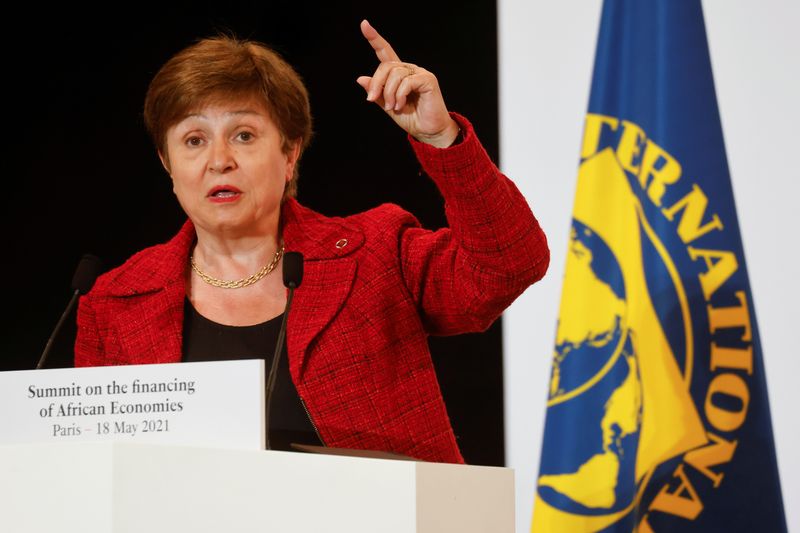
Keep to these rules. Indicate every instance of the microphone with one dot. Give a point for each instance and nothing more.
(292, 270)
(292, 276)
(85, 275)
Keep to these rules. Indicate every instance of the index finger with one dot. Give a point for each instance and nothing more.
(382, 48)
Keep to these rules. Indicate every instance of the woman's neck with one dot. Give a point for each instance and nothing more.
(231, 257)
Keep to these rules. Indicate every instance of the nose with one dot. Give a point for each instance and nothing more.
(221, 157)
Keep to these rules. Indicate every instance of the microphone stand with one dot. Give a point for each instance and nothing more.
(59, 325)
(84, 277)
(292, 276)
(273, 369)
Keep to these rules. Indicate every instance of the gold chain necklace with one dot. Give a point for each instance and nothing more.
(239, 283)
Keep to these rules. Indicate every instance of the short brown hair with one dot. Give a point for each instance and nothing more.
(227, 68)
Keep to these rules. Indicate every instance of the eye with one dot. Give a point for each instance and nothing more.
(246, 136)
(194, 141)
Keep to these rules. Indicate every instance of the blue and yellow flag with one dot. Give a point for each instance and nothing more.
(657, 415)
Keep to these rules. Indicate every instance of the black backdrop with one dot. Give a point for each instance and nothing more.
(82, 175)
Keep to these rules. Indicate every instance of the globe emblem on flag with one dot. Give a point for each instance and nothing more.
(595, 387)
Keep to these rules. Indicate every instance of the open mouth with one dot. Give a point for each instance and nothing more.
(224, 193)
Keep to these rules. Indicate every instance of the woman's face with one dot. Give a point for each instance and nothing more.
(228, 168)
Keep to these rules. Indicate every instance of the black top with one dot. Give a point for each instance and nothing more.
(205, 340)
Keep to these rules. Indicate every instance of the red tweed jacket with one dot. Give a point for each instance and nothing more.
(357, 332)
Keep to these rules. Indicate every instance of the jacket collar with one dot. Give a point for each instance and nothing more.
(315, 236)
(329, 274)
(157, 268)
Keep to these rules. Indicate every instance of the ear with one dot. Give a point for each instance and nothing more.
(291, 159)
(164, 161)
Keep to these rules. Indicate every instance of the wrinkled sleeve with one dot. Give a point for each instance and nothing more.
(462, 277)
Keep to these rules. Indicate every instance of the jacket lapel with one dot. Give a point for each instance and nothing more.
(319, 298)
(329, 270)
(151, 330)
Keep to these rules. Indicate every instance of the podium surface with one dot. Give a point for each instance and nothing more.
(115, 487)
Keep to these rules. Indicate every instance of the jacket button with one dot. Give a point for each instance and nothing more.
(341, 243)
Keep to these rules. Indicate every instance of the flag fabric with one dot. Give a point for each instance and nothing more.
(657, 415)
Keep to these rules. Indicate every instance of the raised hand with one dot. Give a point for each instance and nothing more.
(408, 93)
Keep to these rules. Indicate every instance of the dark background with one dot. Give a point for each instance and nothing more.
(83, 176)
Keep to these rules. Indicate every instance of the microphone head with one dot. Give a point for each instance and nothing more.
(292, 269)
(86, 273)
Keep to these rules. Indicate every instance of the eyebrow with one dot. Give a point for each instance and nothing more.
(230, 113)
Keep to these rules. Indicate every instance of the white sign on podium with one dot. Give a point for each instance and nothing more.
(211, 404)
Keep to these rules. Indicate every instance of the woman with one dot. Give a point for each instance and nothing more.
(230, 120)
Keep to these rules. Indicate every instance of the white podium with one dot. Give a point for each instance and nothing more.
(107, 487)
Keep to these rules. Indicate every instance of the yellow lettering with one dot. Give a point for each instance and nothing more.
(734, 358)
(693, 206)
(592, 130)
(644, 525)
(728, 385)
(667, 173)
(713, 454)
(720, 265)
(683, 501)
(731, 317)
(630, 146)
